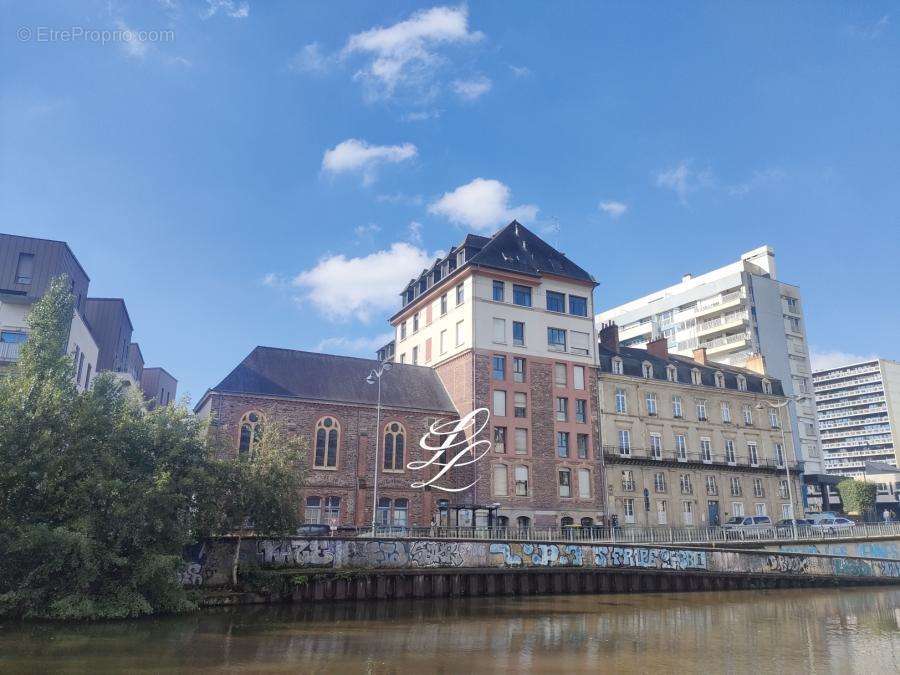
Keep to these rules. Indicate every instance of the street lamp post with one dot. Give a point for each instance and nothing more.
(373, 377)
(787, 463)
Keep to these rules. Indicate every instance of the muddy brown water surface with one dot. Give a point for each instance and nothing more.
(789, 631)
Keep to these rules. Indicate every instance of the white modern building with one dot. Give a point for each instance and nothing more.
(735, 312)
(858, 413)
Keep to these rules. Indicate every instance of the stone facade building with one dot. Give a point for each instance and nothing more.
(689, 442)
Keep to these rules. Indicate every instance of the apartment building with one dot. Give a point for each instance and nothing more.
(506, 322)
(27, 266)
(858, 413)
(736, 312)
(101, 329)
(690, 442)
(158, 385)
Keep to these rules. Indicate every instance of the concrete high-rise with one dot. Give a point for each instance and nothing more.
(736, 312)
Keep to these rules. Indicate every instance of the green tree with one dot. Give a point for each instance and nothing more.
(856, 495)
(99, 496)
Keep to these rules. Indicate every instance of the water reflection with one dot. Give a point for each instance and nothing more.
(804, 630)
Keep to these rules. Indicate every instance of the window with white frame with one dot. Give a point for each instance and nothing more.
(518, 369)
(773, 419)
(779, 454)
(501, 478)
(748, 415)
(565, 482)
(726, 412)
(729, 451)
(720, 380)
(624, 443)
(647, 369)
(559, 374)
(460, 294)
(753, 452)
(617, 368)
(499, 403)
(783, 491)
(500, 440)
(701, 410)
(672, 373)
(706, 450)
(556, 339)
(582, 441)
(712, 489)
(562, 444)
(443, 341)
(628, 509)
(578, 377)
(655, 446)
(520, 403)
(621, 401)
(687, 487)
(695, 376)
(579, 342)
(676, 407)
(757, 487)
(659, 481)
(584, 483)
(661, 512)
(736, 490)
(651, 403)
(766, 387)
(581, 410)
(687, 512)
(521, 441)
(761, 509)
(521, 481)
(681, 447)
(737, 509)
(459, 333)
(627, 480)
(741, 383)
(499, 330)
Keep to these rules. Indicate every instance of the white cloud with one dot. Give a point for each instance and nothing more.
(759, 179)
(823, 359)
(366, 232)
(482, 205)
(469, 90)
(415, 233)
(683, 179)
(870, 30)
(230, 8)
(342, 288)
(405, 54)
(132, 45)
(358, 346)
(400, 198)
(420, 115)
(355, 155)
(310, 59)
(613, 208)
(274, 280)
(520, 71)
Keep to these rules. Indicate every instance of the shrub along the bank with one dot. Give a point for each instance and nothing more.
(857, 496)
(99, 495)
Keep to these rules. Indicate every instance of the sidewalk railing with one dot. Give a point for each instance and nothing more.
(641, 535)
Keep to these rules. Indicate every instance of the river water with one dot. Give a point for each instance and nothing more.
(791, 631)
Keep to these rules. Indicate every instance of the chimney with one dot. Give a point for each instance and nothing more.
(659, 347)
(609, 336)
(700, 355)
(756, 363)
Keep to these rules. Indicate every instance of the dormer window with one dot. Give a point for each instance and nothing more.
(720, 380)
(695, 376)
(410, 294)
(647, 369)
(461, 258)
(672, 373)
(437, 274)
(423, 284)
(766, 387)
(617, 368)
(741, 383)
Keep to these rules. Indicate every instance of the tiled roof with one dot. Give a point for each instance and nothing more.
(515, 248)
(269, 371)
(633, 360)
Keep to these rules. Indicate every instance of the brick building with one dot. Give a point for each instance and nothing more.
(326, 400)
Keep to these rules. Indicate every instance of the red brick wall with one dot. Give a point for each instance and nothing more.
(352, 478)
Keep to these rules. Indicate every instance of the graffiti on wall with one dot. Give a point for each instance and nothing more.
(295, 553)
(793, 564)
(539, 555)
(435, 554)
(407, 553)
(655, 558)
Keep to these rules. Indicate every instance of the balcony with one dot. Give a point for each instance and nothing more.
(883, 440)
(872, 389)
(9, 351)
(850, 412)
(847, 384)
(840, 405)
(726, 342)
(649, 456)
(722, 323)
(838, 374)
(720, 302)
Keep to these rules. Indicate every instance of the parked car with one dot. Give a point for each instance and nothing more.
(833, 524)
(816, 517)
(313, 530)
(789, 523)
(742, 526)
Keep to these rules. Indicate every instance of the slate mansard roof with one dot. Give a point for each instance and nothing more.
(633, 360)
(514, 248)
(287, 373)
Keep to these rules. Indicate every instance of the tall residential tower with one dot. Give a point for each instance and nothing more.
(735, 312)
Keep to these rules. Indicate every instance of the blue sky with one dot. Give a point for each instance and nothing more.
(271, 173)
